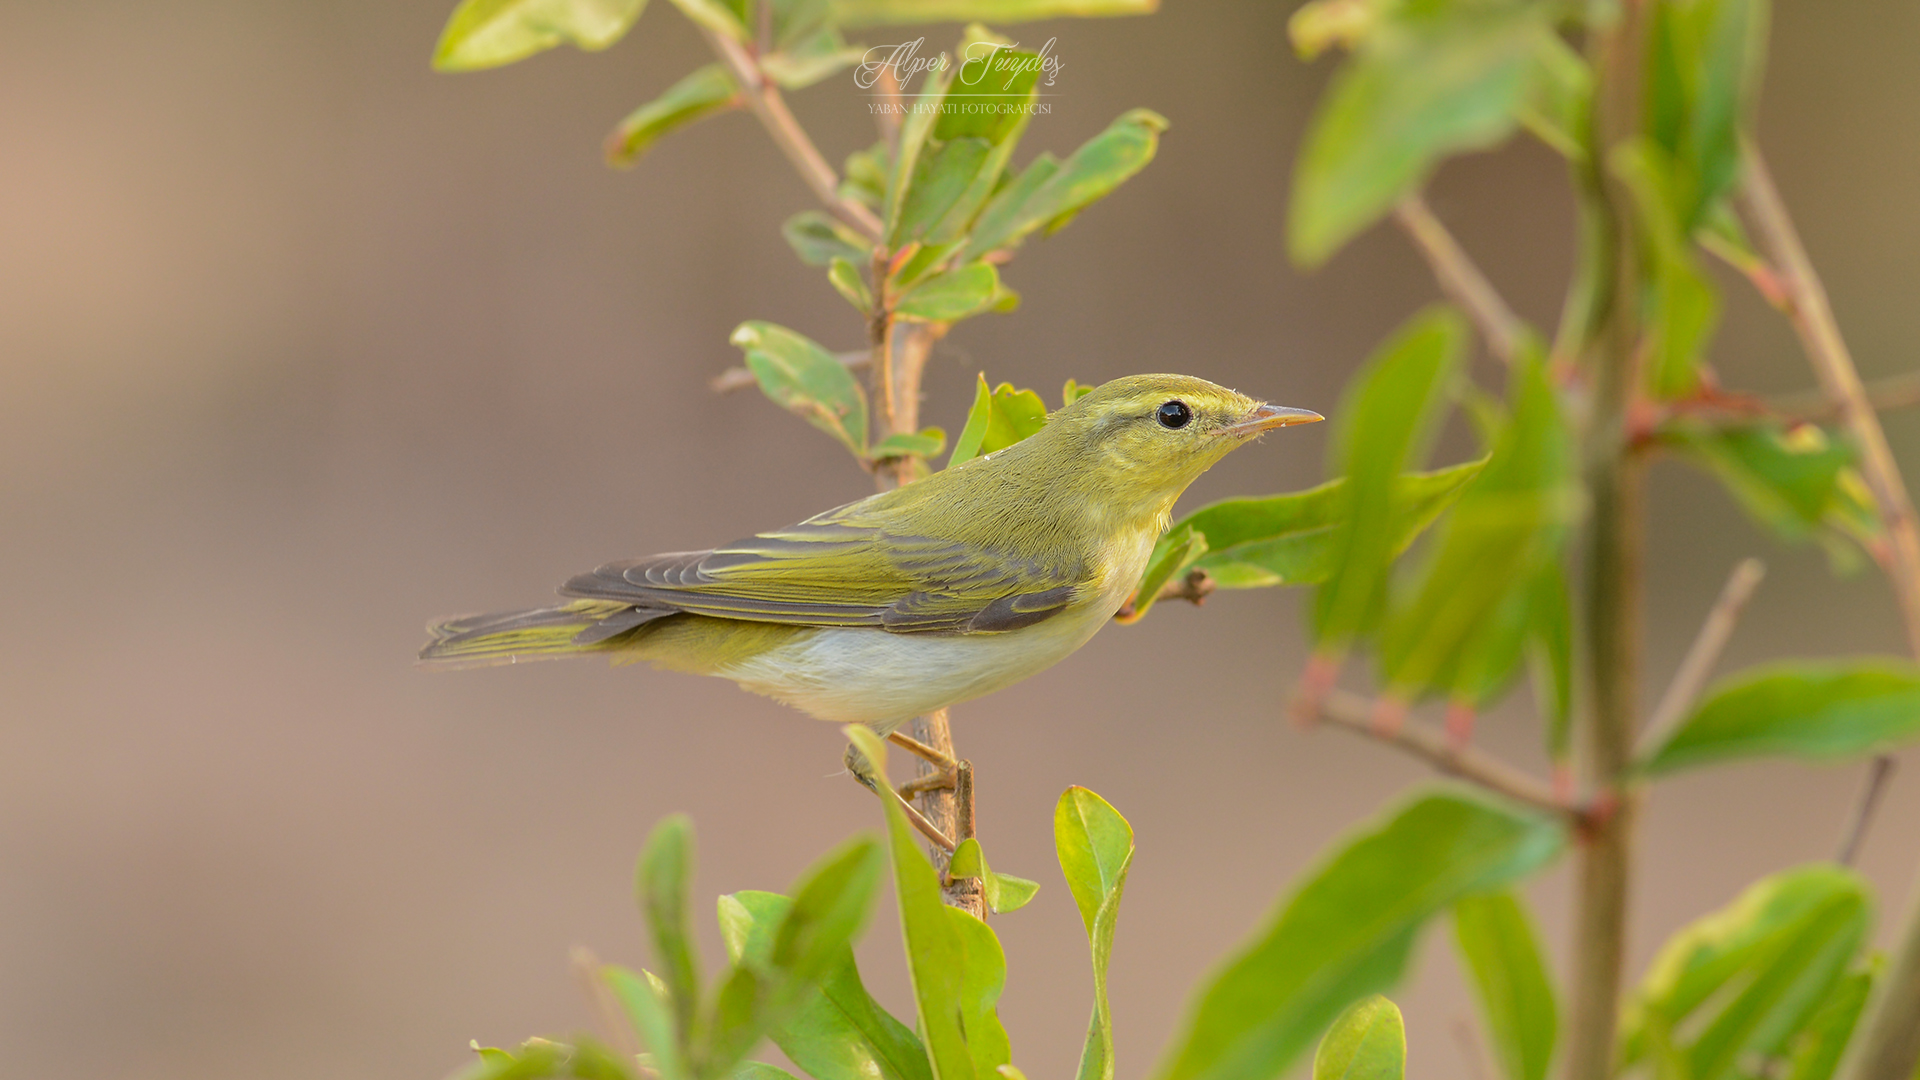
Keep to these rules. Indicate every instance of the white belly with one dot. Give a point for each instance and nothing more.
(884, 679)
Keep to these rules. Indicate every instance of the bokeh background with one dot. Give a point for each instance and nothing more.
(301, 345)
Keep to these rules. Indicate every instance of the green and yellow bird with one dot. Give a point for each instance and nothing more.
(913, 599)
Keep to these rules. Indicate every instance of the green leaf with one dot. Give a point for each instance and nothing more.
(1175, 555)
(1367, 1042)
(540, 1058)
(1003, 892)
(1348, 929)
(1681, 304)
(840, 1033)
(662, 881)
(490, 33)
(938, 950)
(1800, 484)
(1799, 709)
(926, 443)
(1704, 59)
(1550, 655)
(1073, 392)
(648, 1008)
(865, 176)
(806, 379)
(1435, 80)
(1461, 625)
(1293, 539)
(1559, 97)
(1740, 983)
(1016, 415)
(1825, 1037)
(974, 432)
(805, 60)
(1496, 941)
(818, 239)
(760, 1070)
(944, 172)
(846, 280)
(707, 91)
(714, 15)
(915, 130)
(1384, 422)
(1047, 194)
(1000, 12)
(1095, 847)
(951, 296)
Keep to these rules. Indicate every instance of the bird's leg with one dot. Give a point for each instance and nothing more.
(863, 771)
(946, 779)
(919, 749)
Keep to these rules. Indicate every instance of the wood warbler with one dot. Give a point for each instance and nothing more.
(917, 598)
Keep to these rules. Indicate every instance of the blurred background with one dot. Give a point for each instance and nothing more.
(302, 345)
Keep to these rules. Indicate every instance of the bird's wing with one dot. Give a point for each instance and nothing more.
(838, 570)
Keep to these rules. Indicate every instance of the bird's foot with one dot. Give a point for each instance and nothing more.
(864, 772)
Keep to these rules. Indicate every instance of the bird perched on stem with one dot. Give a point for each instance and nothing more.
(917, 598)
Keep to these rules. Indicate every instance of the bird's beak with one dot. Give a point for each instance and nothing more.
(1267, 417)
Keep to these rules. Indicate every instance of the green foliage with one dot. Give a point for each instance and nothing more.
(807, 380)
(1004, 892)
(1384, 423)
(490, 33)
(998, 418)
(1425, 81)
(1799, 483)
(1497, 944)
(661, 882)
(1741, 983)
(1349, 928)
(707, 91)
(1095, 846)
(864, 12)
(1803, 709)
(1367, 1042)
(1704, 59)
(540, 1058)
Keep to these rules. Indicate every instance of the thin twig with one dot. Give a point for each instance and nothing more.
(1727, 409)
(764, 99)
(1879, 771)
(1356, 713)
(1460, 279)
(1888, 1045)
(739, 378)
(1704, 653)
(1812, 318)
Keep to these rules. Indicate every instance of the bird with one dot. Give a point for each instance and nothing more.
(917, 598)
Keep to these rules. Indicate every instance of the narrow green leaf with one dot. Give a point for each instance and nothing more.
(1825, 1037)
(914, 132)
(1682, 305)
(806, 379)
(1054, 195)
(1292, 539)
(707, 91)
(1438, 80)
(1741, 983)
(840, 1033)
(846, 280)
(1095, 847)
(974, 432)
(983, 976)
(490, 33)
(1461, 626)
(1800, 484)
(802, 61)
(1384, 422)
(1497, 942)
(1803, 709)
(652, 1015)
(936, 953)
(819, 239)
(1348, 928)
(1366, 1042)
(1003, 892)
(1550, 655)
(925, 443)
(945, 171)
(999, 12)
(1704, 59)
(951, 296)
(662, 881)
(1182, 547)
(1559, 97)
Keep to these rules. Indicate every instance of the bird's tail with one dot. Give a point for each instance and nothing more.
(508, 637)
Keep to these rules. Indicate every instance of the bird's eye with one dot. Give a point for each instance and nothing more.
(1174, 414)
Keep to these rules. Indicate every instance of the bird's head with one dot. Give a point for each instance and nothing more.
(1144, 438)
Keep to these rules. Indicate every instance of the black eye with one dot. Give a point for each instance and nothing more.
(1174, 414)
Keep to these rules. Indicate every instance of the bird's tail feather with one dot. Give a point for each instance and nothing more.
(507, 637)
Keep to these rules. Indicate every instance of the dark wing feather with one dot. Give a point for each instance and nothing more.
(833, 572)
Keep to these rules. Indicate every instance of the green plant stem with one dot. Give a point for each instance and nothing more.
(1888, 1046)
(1615, 479)
(765, 100)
